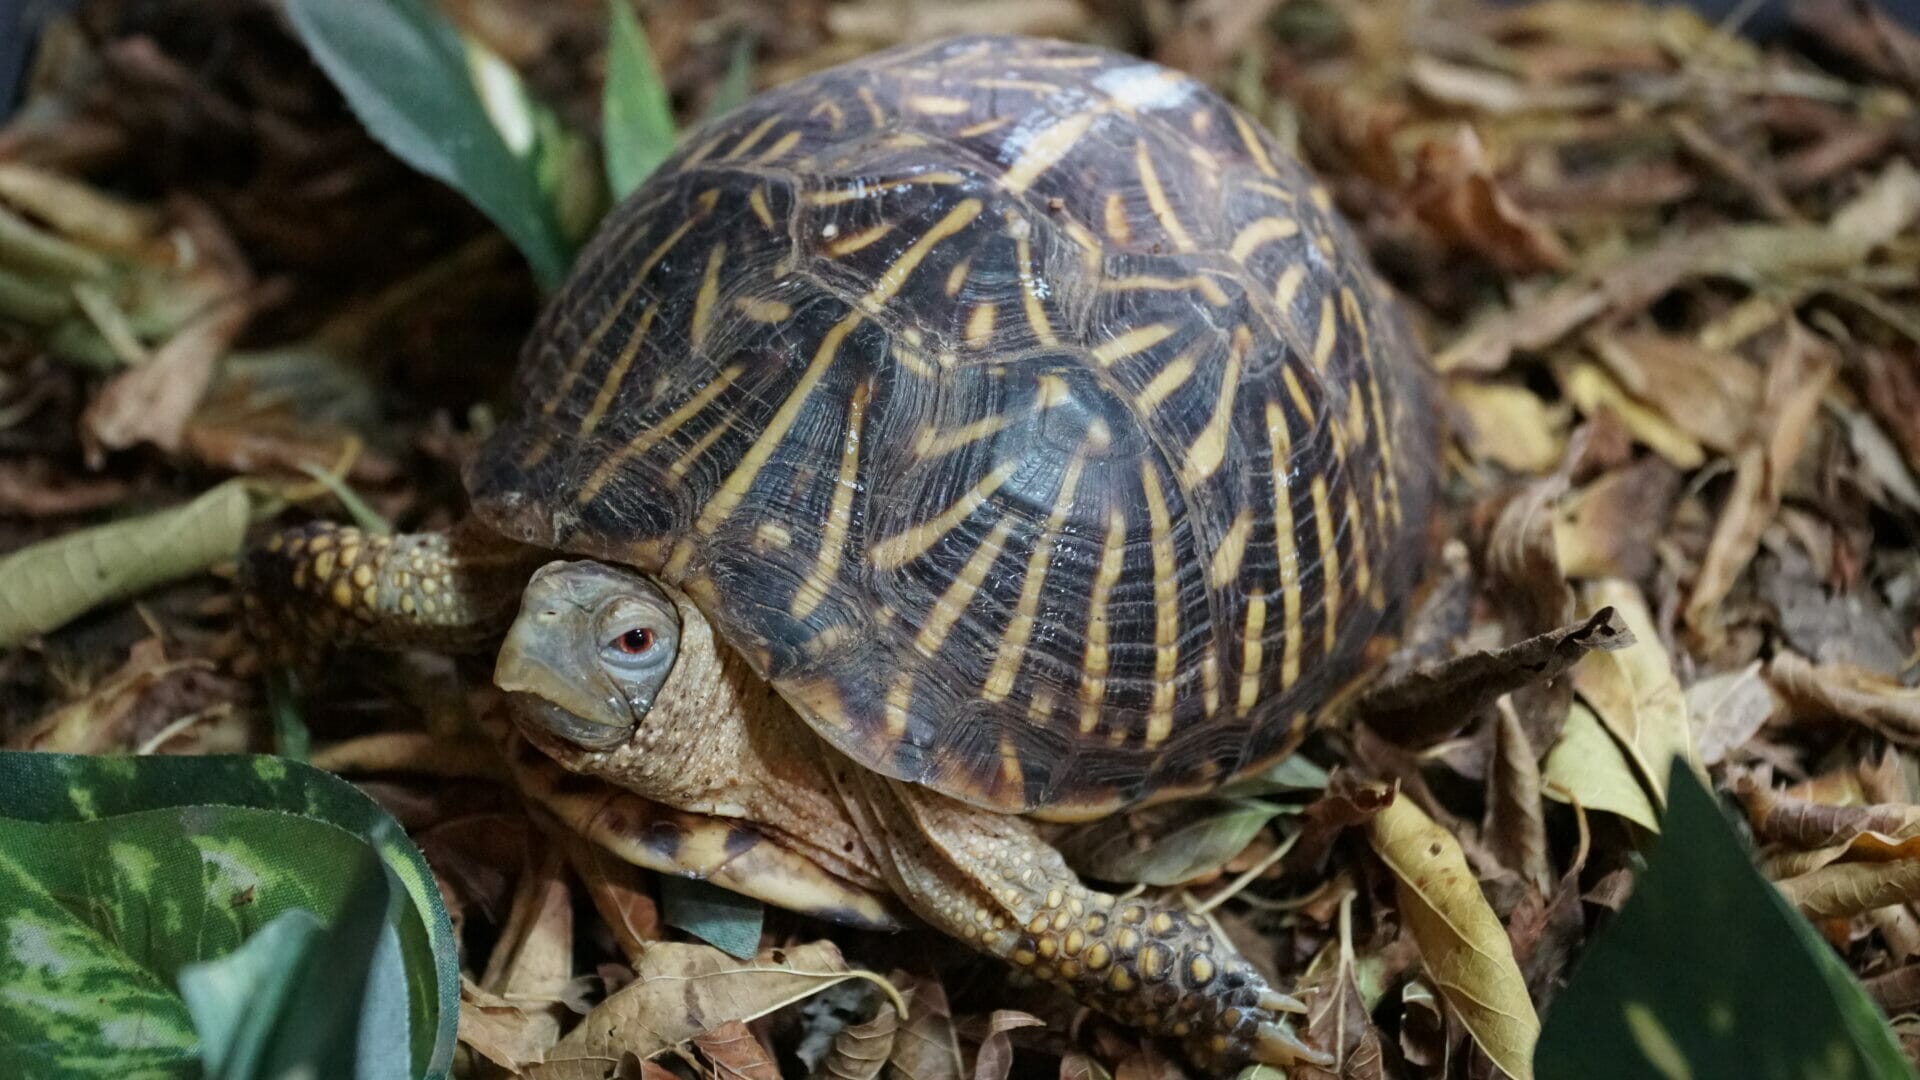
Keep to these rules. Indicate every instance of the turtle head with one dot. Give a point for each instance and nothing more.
(589, 652)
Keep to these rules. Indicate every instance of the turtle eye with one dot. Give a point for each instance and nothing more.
(633, 642)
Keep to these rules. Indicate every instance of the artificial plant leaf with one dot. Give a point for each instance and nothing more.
(720, 917)
(636, 117)
(1708, 972)
(128, 870)
(404, 72)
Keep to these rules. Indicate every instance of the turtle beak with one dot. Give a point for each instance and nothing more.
(548, 665)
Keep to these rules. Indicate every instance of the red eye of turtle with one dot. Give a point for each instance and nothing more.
(634, 642)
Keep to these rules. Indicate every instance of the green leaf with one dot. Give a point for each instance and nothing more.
(636, 117)
(736, 86)
(117, 875)
(1169, 844)
(720, 917)
(405, 74)
(1707, 972)
(1293, 774)
(46, 585)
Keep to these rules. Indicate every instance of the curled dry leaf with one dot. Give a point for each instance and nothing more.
(1462, 944)
(995, 1058)
(1796, 382)
(1842, 890)
(733, 1053)
(1608, 528)
(1516, 829)
(510, 1034)
(1594, 391)
(925, 1046)
(1455, 193)
(1835, 691)
(680, 991)
(1710, 394)
(1779, 817)
(860, 1051)
(620, 893)
(1434, 701)
(1633, 692)
(153, 402)
(533, 960)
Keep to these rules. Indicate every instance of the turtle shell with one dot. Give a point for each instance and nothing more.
(1019, 409)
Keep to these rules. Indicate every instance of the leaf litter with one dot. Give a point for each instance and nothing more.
(1667, 276)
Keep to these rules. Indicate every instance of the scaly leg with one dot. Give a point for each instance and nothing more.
(989, 880)
(323, 586)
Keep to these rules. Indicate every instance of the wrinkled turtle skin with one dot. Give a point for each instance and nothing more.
(985, 429)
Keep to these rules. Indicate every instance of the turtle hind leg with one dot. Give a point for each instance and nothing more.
(322, 586)
(991, 881)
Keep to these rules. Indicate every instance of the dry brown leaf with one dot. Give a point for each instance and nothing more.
(1338, 1020)
(1593, 391)
(1456, 194)
(860, 1051)
(1796, 382)
(733, 1053)
(1078, 1066)
(1516, 829)
(1782, 818)
(682, 990)
(1509, 425)
(1727, 710)
(1433, 701)
(1462, 944)
(1836, 691)
(145, 695)
(1608, 527)
(153, 402)
(1587, 767)
(1709, 394)
(620, 893)
(533, 960)
(1842, 890)
(995, 1058)
(1633, 692)
(510, 1034)
(925, 1046)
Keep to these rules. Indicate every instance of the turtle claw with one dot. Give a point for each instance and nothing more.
(1275, 1001)
(1275, 1044)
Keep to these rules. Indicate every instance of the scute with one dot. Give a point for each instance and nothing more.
(1017, 408)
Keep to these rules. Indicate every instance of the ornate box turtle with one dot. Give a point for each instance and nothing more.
(983, 429)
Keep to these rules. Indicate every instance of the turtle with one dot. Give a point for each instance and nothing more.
(981, 433)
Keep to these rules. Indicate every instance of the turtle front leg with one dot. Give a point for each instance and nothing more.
(990, 880)
(323, 586)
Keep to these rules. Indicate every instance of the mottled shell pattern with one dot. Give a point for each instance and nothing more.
(1018, 409)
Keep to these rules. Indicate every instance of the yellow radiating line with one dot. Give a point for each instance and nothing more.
(1383, 437)
(957, 277)
(839, 514)
(896, 274)
(1286, 546)
(1137, 340)
(1030, 286)
(934, 105)
(704, 300)
(1327, 336)
(1232, 550)
(1252, 653)
(1013, 644)
(638, 281)
(650, 436)
(1115, 217)
(684, 463)
(1157, 198)
(973, 131)
(1166, 608)
(762, 310)
(875, 114)
(933, 442)
(740, 479)
(1093, 669)
(1271, 190)
(1267, 230)
(1168, 379)
(1295, 391)
(1287, 289)
(867, 191)
(752, 138)
(852, 242)
(836, 116)
(979, 332)
(1045, 150)
(618, 373)
(1209, 449)
(953, 602)
(1255, 149)
(779, 148)
(904, 547)
(1209, 289)
(758, 201)
(1329, 563)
